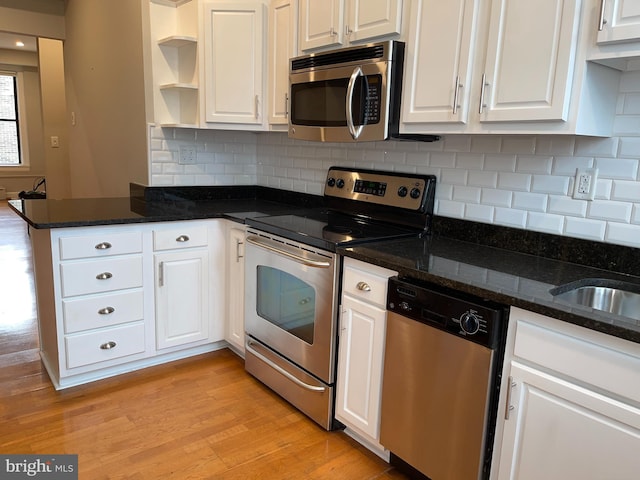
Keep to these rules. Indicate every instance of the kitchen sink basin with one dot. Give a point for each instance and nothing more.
(612, 296)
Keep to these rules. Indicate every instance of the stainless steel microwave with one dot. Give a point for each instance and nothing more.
(346, 95)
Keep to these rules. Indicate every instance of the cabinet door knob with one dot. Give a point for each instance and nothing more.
(108, 346)
(364, 286)
(103, 246)
(106, 310)
(182, 238)
(104, 275)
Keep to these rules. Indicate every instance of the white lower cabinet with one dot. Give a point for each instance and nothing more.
(99, 312)
(361, 351)
(182, 303)
(571, 403)
(234, 324)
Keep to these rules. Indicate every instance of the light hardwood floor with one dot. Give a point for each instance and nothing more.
(197, 418)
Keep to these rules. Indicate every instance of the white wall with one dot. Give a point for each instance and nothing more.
(516, 181)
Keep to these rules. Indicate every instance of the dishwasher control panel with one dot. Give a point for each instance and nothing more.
(479, 320)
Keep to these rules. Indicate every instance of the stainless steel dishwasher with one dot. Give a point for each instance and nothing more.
(441, 380)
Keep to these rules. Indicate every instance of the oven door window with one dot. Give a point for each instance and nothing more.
(286, 301)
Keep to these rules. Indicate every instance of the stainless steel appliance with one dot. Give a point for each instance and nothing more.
(292, 275)
(346, 95)
(440, 387)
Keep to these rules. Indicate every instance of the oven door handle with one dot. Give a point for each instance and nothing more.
(281, 370)
(257, 241)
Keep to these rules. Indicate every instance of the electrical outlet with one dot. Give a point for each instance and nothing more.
(584, 187)
(187, 154)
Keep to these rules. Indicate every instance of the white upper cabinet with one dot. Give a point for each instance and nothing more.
(449, 46)
(283, 36)
(505, 66)
(530, 59)
(336, 23)
(619, 21)
(234, 64)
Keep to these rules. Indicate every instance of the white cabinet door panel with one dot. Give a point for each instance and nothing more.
(620, 21)
(530, 60)
(558, 431)
(233, 62)
(369, 19)
(321, 24)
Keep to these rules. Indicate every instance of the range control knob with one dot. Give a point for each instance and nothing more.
(415, 193)
(469, 323)
(404, 306)
(402, 191)
(331, 181)
(340, 183)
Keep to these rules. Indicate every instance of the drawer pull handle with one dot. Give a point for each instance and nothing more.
(108, 346)
(106, 310)
(104, 276)
(182, 238)
(103, 246)
(364, 286)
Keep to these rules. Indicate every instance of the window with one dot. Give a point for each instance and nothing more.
(9, 132)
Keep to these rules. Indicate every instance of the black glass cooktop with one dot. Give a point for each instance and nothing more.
(328, 229)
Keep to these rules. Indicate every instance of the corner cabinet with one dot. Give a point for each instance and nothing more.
(505, 66)
(175, 62)
(361, 351)
(234, 65)
(571, 403)
(337, 23)
(112, 299)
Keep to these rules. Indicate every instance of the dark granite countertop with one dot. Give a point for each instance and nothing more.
(513, 278)
(159, 204)
(510, 266)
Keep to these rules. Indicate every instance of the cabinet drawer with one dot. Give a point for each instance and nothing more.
(101, 245)
(85, 313)
(104, 345)
(184, 236)
(589, 357)
(80, 278)
(365, 281)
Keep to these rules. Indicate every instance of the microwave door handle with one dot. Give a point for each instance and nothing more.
(355, 132)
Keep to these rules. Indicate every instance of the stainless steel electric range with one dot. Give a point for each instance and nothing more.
(292, 277)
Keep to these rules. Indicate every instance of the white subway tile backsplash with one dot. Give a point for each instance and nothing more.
(620, 168)
(550, 184)
(479, 213)
(517, 144)
(585, 228)
(622, 234)
(532, 202)
(514, 181)
(449, 208)
(466, 194)
(453, 176)
(482, 179)
(545, 223)
(523, 181)
(607, 210)
(626, 191)
(500, 163)
(563, 205)
(596, 147)
(498, 198)
(532, 164)
(510, 217)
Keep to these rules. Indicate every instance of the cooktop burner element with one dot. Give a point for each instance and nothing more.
(361, 206)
